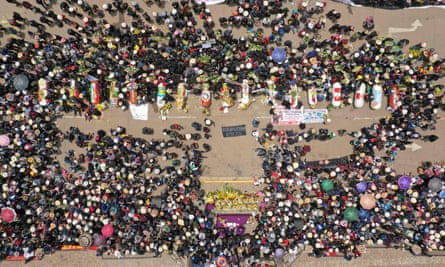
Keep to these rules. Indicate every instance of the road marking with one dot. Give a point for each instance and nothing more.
(366, 118)
(219, 180)
(181, 117)
(413, 147)
(72, 117)
(416, 24)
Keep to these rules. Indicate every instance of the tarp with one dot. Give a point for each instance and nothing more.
(233, 131)
(333, 163)
(139, 112)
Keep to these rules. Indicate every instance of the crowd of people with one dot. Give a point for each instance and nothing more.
(394, 4)
(143, 195)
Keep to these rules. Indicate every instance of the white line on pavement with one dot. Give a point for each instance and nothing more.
(72, 117)
(181, 117)
(366, 118)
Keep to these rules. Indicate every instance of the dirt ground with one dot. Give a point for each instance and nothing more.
(235, 157)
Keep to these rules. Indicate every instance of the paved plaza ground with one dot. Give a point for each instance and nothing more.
(234, 158)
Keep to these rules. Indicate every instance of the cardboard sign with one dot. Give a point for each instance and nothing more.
(232, 131)
(139, 112)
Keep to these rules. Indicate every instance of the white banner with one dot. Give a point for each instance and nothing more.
(440, 4)
(315, 115)
(210, 2)
(139, 112)
(284, 116)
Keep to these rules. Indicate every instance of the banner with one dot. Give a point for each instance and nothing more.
(284, 116)
(393, 5)
(139, 112)
(210, 2)
(315, 115)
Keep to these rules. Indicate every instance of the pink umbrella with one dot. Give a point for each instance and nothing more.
(8, 215)
(107, 230)
(4, 140)
(367, 201)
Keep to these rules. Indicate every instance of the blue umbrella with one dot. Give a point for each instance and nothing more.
(311, 54)
(278, 55)
(361, 187)
(363, 214)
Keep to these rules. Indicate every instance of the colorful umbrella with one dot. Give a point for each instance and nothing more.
(221, 261)
(107, 230)
(367, 201)
(351, 214)
(435, 185)
(4, 140)
(404, 182)
(327, 185)
(361, 187)
(278, 55)
(8, 215)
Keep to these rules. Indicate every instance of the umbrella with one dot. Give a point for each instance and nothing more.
(361, 187)
(221, 261)
(299, 224)
(107, 230)
(435, 184)
(85, 240)
(363, 214)
(367, 201)
(4, 140)
(279, 253)
(327, 185)
(8, 215)
(404, 182)
(351, 214)
(278, 55)
(99, 240)
(21, 82)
